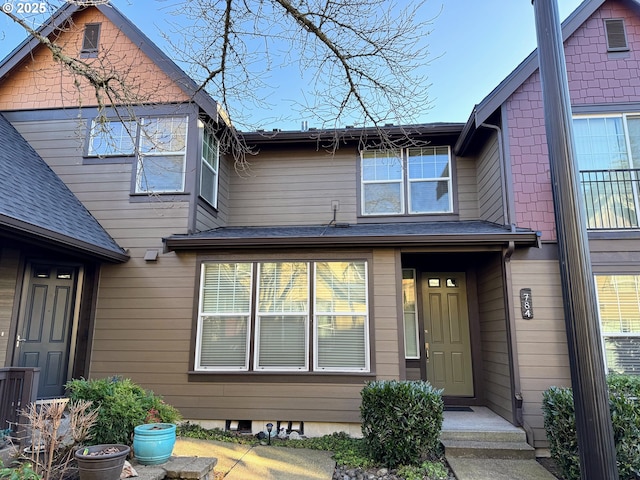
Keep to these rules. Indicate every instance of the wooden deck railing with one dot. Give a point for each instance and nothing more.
(18, 388)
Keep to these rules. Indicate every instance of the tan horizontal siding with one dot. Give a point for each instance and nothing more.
(542, 346)
(467, 188)
(294, 188)
(494, 338)
(490, 183)
(386, 314)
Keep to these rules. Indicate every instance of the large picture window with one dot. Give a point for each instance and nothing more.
(407, 181)
(293, 316)
(619, 311)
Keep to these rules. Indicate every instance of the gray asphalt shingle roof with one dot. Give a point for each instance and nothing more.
(35, 201)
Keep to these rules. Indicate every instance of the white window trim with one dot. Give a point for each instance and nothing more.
(253, 317)
(181, 153)
(430, 179)
(404, 321)
(259, 314)
(92, 131)
(204, 164)
(603, 333)
(405, 192)
(365, 314)
(201, 314)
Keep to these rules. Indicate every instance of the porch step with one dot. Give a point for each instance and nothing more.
(511, 434)
(488, 449)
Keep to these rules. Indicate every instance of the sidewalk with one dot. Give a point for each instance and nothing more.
(243, 462)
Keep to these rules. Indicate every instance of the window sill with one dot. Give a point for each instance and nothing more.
(409, 218)
(281, 377)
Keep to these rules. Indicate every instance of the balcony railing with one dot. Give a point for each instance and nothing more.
(611, 198)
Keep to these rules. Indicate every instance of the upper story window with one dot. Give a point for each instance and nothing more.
(608, 155)
(158, 143)
(283, 316)
(90, 38)
(407, 181)
(163, 148)
(210, 164)
(616, 35)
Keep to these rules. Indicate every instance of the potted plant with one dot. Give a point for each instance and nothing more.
(101, 462)
(153, 442)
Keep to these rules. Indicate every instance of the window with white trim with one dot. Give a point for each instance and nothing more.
(619, 312)
(161, 161)
(608, 156)
(209, 167)
(410, 314)
(408, 181)
(112, 138)
(293, 316)
(158, 143)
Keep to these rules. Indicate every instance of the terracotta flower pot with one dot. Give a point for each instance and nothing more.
(101, 462)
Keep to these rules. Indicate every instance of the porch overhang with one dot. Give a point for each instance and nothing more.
(25, 232)
(473, 233)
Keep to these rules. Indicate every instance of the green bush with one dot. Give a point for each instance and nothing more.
(560, 426)
(122, 405)
(401, 421)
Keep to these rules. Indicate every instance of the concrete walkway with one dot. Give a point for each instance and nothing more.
(244, 462)
(498, 469)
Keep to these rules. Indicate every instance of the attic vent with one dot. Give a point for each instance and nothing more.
(616, 36)
(91, 38)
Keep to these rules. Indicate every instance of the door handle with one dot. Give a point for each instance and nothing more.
(426, 350)
(19, 341)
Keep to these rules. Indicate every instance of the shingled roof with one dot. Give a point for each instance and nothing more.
(35, 202)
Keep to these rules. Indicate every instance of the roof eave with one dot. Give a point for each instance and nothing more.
(63, 241)
(199, 243)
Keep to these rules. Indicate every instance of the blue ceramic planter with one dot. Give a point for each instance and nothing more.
(153, 442)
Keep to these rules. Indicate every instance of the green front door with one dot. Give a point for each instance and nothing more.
(446, 328)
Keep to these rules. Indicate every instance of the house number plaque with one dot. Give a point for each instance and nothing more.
(526, 303)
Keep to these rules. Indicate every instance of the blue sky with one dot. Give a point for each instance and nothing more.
(473, 45)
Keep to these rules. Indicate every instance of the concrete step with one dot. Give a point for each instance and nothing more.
(513, 434)
(488, 449)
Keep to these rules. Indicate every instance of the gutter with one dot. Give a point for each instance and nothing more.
(195, 243)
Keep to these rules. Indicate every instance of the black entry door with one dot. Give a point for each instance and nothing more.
(44, 331)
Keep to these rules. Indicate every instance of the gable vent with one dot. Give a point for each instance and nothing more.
(616, 36)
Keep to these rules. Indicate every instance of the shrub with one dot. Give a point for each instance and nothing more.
(122, 405)
(24, 471)
(401, 421)
(560, 426)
